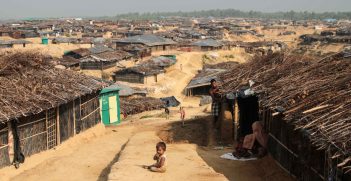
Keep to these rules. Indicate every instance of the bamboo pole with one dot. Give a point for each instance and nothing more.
(58, 139)
(46, 128)
(74, 118)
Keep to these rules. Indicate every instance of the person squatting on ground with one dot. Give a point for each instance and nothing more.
(216, 96)
(253, 144)
(160, 157)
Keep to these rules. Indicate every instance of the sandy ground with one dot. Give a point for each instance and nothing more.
(176, 79)
(183, 163)
(55, 50)
(117, 153)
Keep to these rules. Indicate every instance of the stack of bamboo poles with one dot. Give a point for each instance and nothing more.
(315, 94)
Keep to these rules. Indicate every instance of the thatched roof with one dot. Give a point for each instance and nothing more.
(144, 69)
(222, 65)
(315, 94)
(153, 66)
(12, 42)
(108, 56)
(100, 49)
(204, 78)
(29, 85)
(126, 91)
(209, 72)
(68, 61)
(81, 52)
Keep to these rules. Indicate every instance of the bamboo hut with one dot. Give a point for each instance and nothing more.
(103, 60)
(41, 107)
(304, 104)
(150, 71)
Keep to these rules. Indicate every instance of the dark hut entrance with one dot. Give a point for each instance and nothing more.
(248, 114)
(66, 122)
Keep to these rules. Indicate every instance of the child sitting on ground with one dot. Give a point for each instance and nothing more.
(160, 157)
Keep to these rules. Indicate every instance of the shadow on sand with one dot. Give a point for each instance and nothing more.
(200, 131)
(104, 174)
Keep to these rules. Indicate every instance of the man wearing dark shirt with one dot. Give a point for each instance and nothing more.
(216, 98)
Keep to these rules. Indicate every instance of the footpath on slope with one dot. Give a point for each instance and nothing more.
(184, 163)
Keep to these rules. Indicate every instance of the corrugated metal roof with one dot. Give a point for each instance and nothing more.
(204, 78)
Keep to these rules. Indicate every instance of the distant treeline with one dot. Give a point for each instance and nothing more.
(290, 15)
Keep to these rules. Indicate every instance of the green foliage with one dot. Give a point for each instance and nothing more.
(290, 15)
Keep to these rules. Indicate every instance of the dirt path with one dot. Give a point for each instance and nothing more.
(85, 157)
(183, 162)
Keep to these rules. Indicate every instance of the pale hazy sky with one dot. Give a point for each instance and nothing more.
(75, 8)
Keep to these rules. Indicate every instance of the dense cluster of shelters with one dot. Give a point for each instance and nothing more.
(146, 72)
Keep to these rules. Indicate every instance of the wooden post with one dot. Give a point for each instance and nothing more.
(236, 119)
(74, 117)
(58, 139)
(10, 142)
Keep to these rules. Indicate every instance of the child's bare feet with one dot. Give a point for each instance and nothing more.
(146, 167)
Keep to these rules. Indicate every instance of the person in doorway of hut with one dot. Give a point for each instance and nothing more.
(160, 157)
(215, 93)
(182, 115)
(253, 144)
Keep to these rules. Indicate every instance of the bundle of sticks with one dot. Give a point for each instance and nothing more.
(315, 93)
(137, 105)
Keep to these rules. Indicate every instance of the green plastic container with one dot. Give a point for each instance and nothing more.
(45, 41)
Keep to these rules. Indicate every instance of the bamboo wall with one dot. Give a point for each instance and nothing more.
(198, 91)
(90, 112)
(97, 65)
(33, 134)
(129, 77)
(295, 153)
(48, 129)
(66, 121)
(4, 149)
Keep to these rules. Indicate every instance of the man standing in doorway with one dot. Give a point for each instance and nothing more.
(216, 100)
